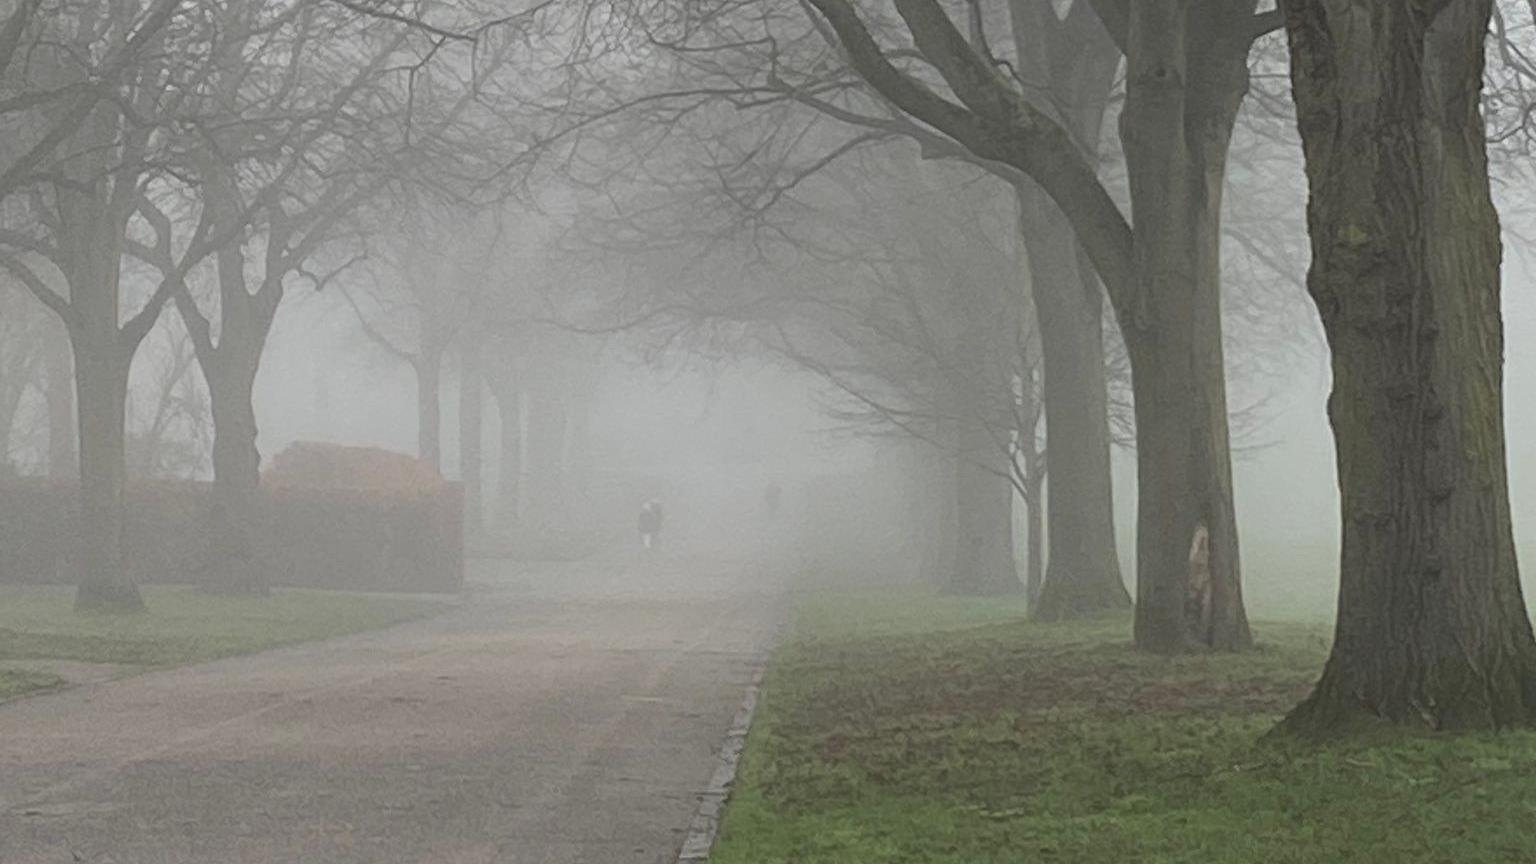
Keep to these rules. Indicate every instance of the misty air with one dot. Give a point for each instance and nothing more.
(767, 431)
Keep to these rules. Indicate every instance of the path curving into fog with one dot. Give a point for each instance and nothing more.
(565, 715)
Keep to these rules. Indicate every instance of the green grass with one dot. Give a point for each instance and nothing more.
(181, 625)
(15, 682)
(914, 729)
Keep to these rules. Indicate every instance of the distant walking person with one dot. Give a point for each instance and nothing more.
(650, 523)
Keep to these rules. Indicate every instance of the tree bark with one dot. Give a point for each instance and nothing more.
(1084, 572)
(59, 395)
(1186, 78)
(90, 257)
(104, 582)
(1432, 627)
(234, 565)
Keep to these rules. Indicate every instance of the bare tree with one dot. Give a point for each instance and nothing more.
(47, 94)
(170, 423)
(939, 79)
(79, 212)
(292, 109)
(412, 302)
(1186, 75)
(918, 323)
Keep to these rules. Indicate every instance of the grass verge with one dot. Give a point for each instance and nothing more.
(915, 729)
(15, 682)
(181, 626)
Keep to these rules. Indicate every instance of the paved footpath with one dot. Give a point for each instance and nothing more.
(568, 715)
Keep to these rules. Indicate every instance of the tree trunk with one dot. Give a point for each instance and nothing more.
(1035, 552)
(13, 386)
(578, 447)
(1432, 628)
(947, 527)
(508, 491)
(545, 491)
(59, 394)
(429, 411)
(1084, 576)
(1186, 78)
(101, 380)
(234, 565)
(90, 256)
(1185, 483)
(984, 562)
(937, 514)
(471, 430)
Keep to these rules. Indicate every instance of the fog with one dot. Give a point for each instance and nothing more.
(720, 431)
(469, 431)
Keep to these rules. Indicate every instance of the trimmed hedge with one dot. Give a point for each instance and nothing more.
(309, 537)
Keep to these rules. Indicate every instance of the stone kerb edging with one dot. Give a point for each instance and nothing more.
(702, 830)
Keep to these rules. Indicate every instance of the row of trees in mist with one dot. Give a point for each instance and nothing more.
(1018, 233)
(207, 156)
(760, 99)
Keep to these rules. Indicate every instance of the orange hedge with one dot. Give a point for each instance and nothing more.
(314, 465)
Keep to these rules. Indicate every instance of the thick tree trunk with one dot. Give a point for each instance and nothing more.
(1185, 483)
(234, 561)
(1186, 78)
(234, 564)
(471, 432)
(1432, 628)
(1084, 576)
(429, 410)
(90, 257)
(101, 380)
(59, 394)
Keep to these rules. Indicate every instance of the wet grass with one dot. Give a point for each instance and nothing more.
(914, 729)
(180, 626)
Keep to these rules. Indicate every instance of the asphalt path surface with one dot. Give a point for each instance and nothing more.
(563, 714)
